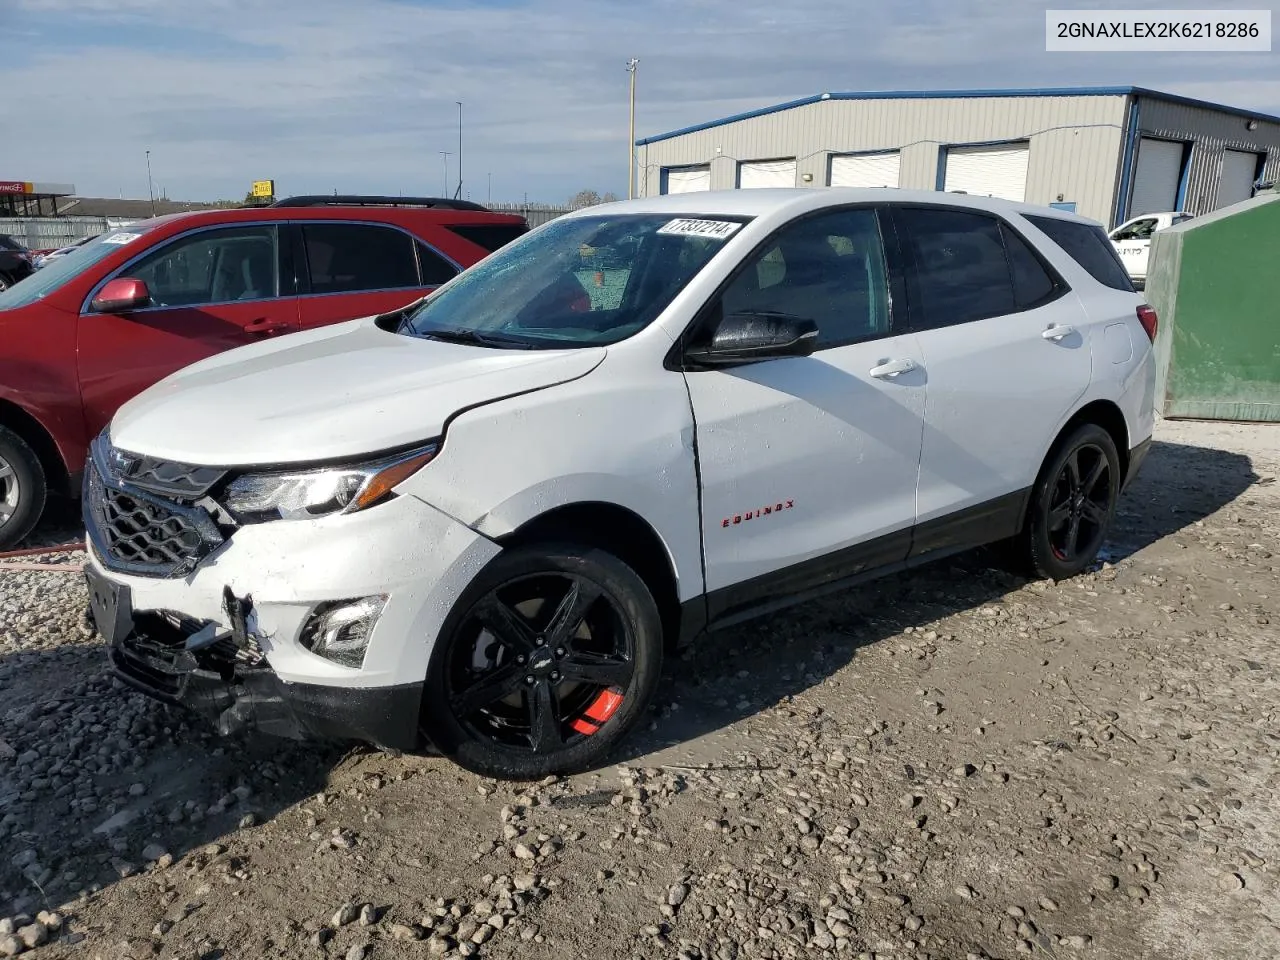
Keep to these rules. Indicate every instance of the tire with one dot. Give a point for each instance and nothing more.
(1072, 504)
(22, 488)
(597, 667)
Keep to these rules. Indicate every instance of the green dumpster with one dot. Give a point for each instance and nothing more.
(1215, 283)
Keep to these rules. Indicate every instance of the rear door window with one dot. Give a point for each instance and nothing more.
(1088, 246)
(352, 257)
(957, 268)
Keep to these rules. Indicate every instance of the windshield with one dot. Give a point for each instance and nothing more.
(577, 282)
(47, 279)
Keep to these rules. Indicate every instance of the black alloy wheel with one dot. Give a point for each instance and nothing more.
(544, 664)
(1074, 503)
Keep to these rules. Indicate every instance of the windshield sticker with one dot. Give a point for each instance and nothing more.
(709, 229)
(121, 238)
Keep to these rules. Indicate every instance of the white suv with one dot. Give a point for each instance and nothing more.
(478, 523)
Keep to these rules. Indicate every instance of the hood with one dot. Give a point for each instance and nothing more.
(341, 392)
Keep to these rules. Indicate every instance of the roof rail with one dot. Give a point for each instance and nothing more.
(352, 200)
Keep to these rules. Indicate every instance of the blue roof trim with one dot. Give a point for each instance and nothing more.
(1206, 104)
(763, 111)
(962, 94)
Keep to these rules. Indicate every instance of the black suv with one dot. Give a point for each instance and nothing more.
(15, 262)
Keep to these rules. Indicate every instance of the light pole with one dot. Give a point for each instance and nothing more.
(631, 138)
(445, 154)
(151, 192)
(458, 195)
(491, 188)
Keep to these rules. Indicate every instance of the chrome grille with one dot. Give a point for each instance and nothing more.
(136, 532)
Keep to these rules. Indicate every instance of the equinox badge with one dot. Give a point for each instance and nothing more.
(761, 512)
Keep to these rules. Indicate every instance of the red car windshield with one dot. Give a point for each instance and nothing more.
(43, 282)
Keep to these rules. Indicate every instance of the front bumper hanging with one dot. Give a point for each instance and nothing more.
(222, 675)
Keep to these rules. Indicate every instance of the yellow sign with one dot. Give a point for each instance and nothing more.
(264, 188)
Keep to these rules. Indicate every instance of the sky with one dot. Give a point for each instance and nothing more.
(360, 95)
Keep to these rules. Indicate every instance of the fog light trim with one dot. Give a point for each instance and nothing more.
(339, 630)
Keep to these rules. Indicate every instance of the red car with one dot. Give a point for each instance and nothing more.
(95, 328)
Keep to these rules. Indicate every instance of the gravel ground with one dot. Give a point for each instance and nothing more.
(954, 763)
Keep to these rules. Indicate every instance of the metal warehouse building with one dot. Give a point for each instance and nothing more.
(1108, 153)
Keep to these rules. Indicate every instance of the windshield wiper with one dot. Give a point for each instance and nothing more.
(475, 338)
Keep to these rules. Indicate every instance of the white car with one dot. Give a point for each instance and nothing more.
(45, 259)
(1132, 240)
(479, 523)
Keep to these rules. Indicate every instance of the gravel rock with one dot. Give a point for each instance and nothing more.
(50, 920)
(153, 851)
(33, 935)
(345, 914)
(10, 946)
(404, 931)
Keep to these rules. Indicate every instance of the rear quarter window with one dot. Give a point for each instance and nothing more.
(1088, 246)
(491, 236)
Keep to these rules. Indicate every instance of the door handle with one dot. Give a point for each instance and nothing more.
(265, 326)
(892, 368)
(1058, 331)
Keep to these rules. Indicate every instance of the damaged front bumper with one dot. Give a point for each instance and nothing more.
(222, 675)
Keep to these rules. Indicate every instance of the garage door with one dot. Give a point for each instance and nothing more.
(766, 173)
(1238, 172)
(988, 171)
(865, 170)
(1155, 185)
(688, 179)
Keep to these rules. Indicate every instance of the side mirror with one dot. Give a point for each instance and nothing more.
(122, 295)
(750, 337)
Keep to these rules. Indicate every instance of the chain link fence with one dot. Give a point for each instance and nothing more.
(50, 233)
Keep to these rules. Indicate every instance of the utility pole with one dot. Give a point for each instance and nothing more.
(458, 195)
(631, 138)
(151, 191)
(446, 154)
(491, 188)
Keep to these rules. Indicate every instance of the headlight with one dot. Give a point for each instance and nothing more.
(305, 494)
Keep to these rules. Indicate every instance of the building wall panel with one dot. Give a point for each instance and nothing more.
(1212, 132)
(1076, 141)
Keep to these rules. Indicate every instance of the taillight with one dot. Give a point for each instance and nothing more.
(1147, 317)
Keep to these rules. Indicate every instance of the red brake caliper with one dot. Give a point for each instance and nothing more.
(598, 713)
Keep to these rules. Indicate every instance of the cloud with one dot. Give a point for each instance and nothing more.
(325, 94)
